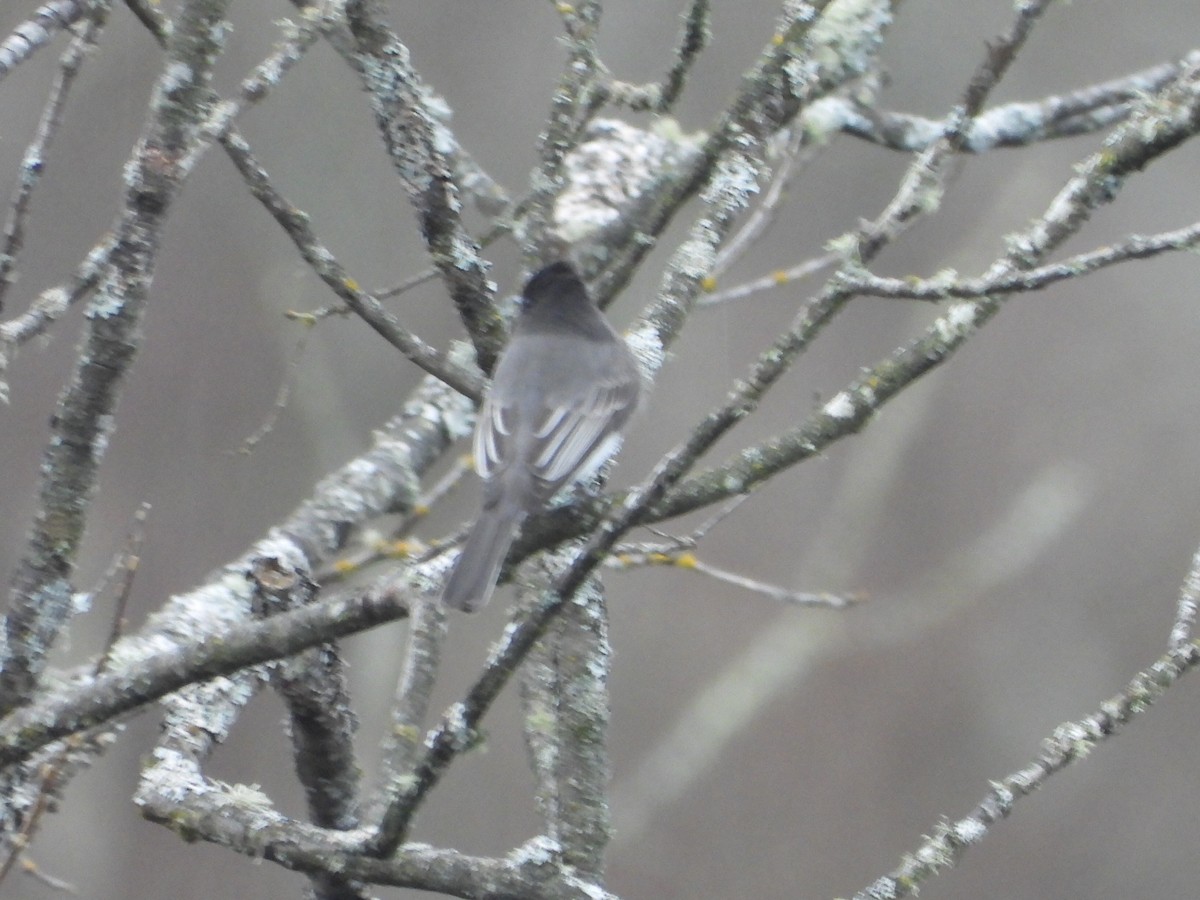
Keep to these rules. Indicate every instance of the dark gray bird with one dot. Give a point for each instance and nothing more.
(563, 389)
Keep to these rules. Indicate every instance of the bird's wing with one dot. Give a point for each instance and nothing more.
(494, 446)
(572, 436)
(563, 435)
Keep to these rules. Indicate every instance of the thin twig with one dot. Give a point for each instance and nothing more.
(777, 279)
(659, 97)
(51, 304)
(410, 703)
(34, 161)
(52, 772)
(797, 152)
(1069, 743)
(296, 225)
(395, 545)
(282, 395)
(1016, 124)
(37, 31)
(629, 556)
(948, 285)
(122, 573)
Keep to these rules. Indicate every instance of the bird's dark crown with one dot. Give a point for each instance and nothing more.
(557, 281)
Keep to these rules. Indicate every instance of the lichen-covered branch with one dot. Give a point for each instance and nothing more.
(39, 600)
(208, 631)
(418, 143)
(38, 30)
(1070, 743)
(34, 162)
(1086, 110)
(947, 285)
(410, 705)
(50, 304)
(1158, 126)
(296, 224)
(661, 96)
(321, 722)
(564, 691)
(609, 191)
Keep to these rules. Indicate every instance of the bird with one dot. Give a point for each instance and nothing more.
(563, 390)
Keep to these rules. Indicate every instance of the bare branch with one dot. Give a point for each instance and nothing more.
(50, 305)
(34, 161)
(609, 191)
(659, 97)
(947, 285)
(417, 140)
(564, 693)
(1087, 110)
(314, 686)
(1170, 118)
(1070, 743)
(40, 594)
(37, 31)
(135, 683)
(627, 557)
(296, 224)
(410, 705)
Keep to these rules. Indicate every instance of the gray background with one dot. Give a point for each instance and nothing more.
(1077, 403)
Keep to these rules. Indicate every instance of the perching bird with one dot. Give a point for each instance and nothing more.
(562, 390)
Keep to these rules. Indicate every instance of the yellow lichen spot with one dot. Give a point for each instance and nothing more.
(686, 560)
(708, 284)
(408, 733)
(420, 509)
(400, 549)
(350, 284)
(780, 276)
(345, 566)
(777, 39)
(564, 9)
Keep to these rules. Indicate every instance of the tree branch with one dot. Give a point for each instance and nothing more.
(39, 600)
(1158, 126)
(417, 142)
(1014, 124)
(1069, 743)
(37, 31)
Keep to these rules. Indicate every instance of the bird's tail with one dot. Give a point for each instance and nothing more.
(470, 585)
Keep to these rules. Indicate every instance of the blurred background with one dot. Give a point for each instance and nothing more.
(1021, 520)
